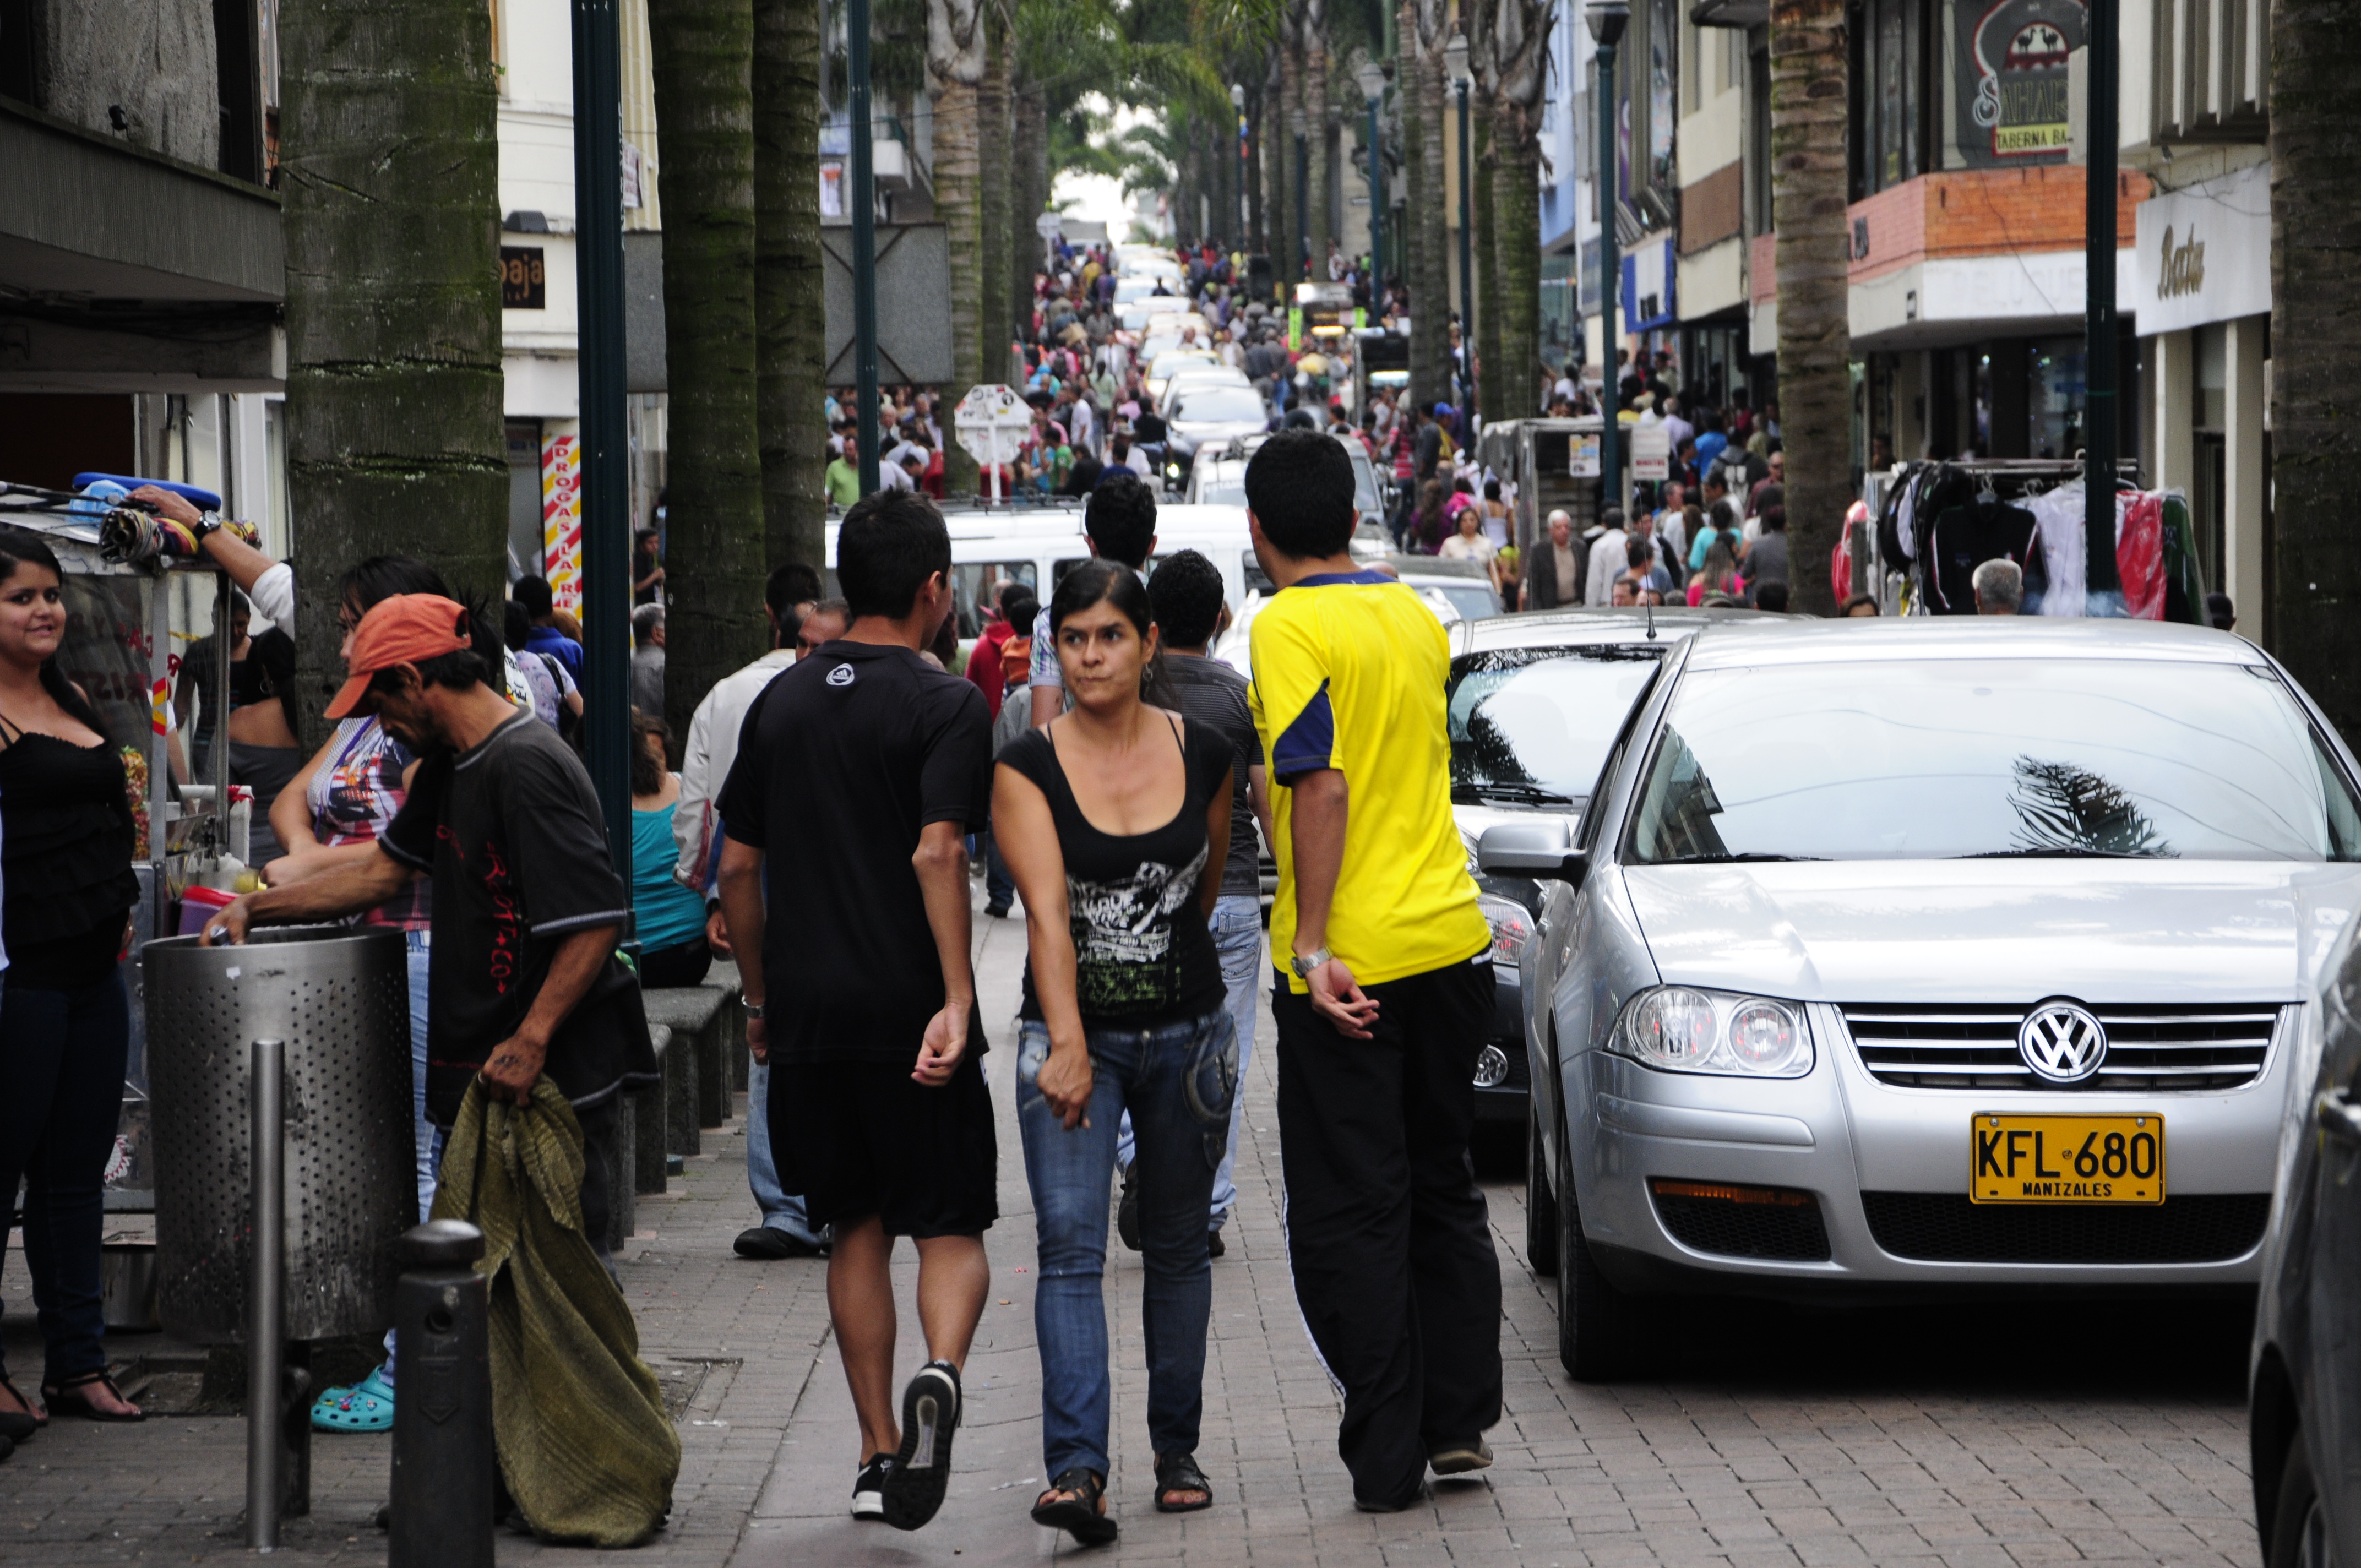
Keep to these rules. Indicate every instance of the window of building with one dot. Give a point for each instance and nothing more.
(1757, 131)
(1891, 70)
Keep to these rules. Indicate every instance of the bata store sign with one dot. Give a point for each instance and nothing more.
(2204, 253)
(2011, 59)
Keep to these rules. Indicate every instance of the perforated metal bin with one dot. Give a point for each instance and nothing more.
(339, 997)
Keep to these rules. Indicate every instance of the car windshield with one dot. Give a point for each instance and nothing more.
(1472, 600)
(2037, 758)
(1236, 405)
(1221, 483)
(1532, 725)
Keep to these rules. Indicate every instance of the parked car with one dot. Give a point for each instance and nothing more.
(2303, 1439)
(1931, 955)
(1208, 410)
(1533, 702)
(1227, 484)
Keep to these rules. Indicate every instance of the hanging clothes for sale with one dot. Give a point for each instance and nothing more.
(1965, 537)
(2139, 554)
(2065, 552)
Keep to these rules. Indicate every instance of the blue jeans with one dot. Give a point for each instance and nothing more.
(781, 1210)
(61, 1061)
(1238, 937)
(428, 1137)
(999, 887)
(1181, 1080)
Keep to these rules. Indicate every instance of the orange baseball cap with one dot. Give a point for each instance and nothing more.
(403, 629)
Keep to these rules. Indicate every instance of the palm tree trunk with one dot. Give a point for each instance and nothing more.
(1287, 241)
(995, 165)
(1431, 317)
(789, 314)
(1315, 131)
(391, 174)
(1410, 99)
(1807, 208)
(1256, 240)
(1517, 208)
(1492, 385)
(2316, 356)
(955, 51)
(702, 52)
(1030, 138)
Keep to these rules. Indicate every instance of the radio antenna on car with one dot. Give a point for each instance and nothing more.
(1651, 619)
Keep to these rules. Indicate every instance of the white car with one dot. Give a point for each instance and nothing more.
(1161, 366)
(1942, 955)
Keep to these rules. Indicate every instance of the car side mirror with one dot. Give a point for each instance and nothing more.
(1544, 851)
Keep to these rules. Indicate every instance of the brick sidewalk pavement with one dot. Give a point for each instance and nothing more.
(1934, 1437)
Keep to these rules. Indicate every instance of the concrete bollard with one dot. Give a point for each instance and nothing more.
(445, 1467)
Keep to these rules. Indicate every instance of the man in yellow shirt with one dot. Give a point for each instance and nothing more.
(1384, 993)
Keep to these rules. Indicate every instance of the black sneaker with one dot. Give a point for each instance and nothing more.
(922, 1471)
(1215, 1245)
(766, 1245)
(868, 1488)
(1127, 1214)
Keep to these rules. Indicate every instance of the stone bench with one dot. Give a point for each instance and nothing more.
(647, 1119)
(711, 1024)
(723, 977)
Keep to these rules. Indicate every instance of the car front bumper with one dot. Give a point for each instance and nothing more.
(1886, 1170)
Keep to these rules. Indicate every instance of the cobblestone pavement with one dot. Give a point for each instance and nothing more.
(1974, 1436)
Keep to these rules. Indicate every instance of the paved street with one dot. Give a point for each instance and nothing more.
(1974, 1437)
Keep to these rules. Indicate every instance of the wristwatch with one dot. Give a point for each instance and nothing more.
(753, 1009)
(1304, 963)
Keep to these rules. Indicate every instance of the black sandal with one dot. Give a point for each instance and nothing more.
(54, 1394)
(17, 1425)
(1080, 1514)
(1179, 1472)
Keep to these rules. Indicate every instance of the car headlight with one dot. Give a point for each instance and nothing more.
(1680, 1028)
(1512, 923)
(1173, 470)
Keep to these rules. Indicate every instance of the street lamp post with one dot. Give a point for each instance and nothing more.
(1607, 20)
(1454, 60)
(864, 245)
(1239, 108)
(1372, 77)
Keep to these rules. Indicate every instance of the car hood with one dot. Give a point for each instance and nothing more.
(1201, 430)
(1997, 930)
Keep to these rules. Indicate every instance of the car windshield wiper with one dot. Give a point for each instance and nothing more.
(1523, 793)
(1726, 860)
(2058, 853)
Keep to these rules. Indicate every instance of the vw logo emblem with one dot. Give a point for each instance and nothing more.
(2061, 1042)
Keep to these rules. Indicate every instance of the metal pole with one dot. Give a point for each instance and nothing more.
(2101, 416)
(1377, 216)
(1296, 263)
(606, 432)
(266, 1321)
(864, 244)
(1611, 287)
(443, 1462)
(1466, 264)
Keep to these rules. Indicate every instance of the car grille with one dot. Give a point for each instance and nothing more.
(1786, 1234)
(1945, 1227)
(2149, 1047)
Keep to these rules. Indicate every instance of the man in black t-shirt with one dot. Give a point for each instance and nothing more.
(527, 905)
(862, 769)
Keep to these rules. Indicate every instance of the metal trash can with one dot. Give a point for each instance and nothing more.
(339, 997)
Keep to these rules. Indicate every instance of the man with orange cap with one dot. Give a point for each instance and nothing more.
(527, 905)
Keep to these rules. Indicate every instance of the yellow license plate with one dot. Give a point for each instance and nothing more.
(2065, 1160)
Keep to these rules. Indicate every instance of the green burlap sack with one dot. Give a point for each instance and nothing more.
(584, 1445)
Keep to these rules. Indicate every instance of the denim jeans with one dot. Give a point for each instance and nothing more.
(781, 1210)
(61, 1062)
(1179, 1081)
(1238, 937)
(999, 886)
(429, 1137)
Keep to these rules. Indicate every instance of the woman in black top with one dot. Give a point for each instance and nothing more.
(65, 848)
(1106, 818)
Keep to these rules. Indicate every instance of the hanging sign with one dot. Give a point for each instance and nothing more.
(1652, 449)
(2011, 84)
(991, 424)
(561, 519)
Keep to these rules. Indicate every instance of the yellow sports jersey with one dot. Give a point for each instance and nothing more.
(1348, 674)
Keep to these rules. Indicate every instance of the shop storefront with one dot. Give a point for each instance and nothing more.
(2203, 301)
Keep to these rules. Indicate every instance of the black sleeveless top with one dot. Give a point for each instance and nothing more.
(1142, 953)
(65, 847)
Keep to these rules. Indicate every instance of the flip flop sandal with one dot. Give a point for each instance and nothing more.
(17, 1425)
(1078, 1514)
(367, 1405)
(68, 1399)
(1179, 1472)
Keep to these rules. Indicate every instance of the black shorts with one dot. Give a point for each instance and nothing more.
(861, 1138)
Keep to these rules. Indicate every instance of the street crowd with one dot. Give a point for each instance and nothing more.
(820, 830)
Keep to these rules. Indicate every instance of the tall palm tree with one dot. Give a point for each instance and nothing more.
(1315, 131)
(390, 168)
(1409, 99)
(2316, 356)
(1478, 17)
(955, 64)
(702, 52)
(996, 167)
(790, 317)
(1807, 208)
(1520, 54)
(1287, 250)
(1430, 311)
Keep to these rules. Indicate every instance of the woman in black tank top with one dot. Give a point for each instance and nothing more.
(1109, 819)
(65, 852)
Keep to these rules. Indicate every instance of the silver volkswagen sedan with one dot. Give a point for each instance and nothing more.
(1930, 955)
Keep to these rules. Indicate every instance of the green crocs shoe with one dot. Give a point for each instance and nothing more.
(368, 1406)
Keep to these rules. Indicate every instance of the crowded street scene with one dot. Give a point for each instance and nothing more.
(898, 781)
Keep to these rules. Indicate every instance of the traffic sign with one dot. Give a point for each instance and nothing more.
(990, 424)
